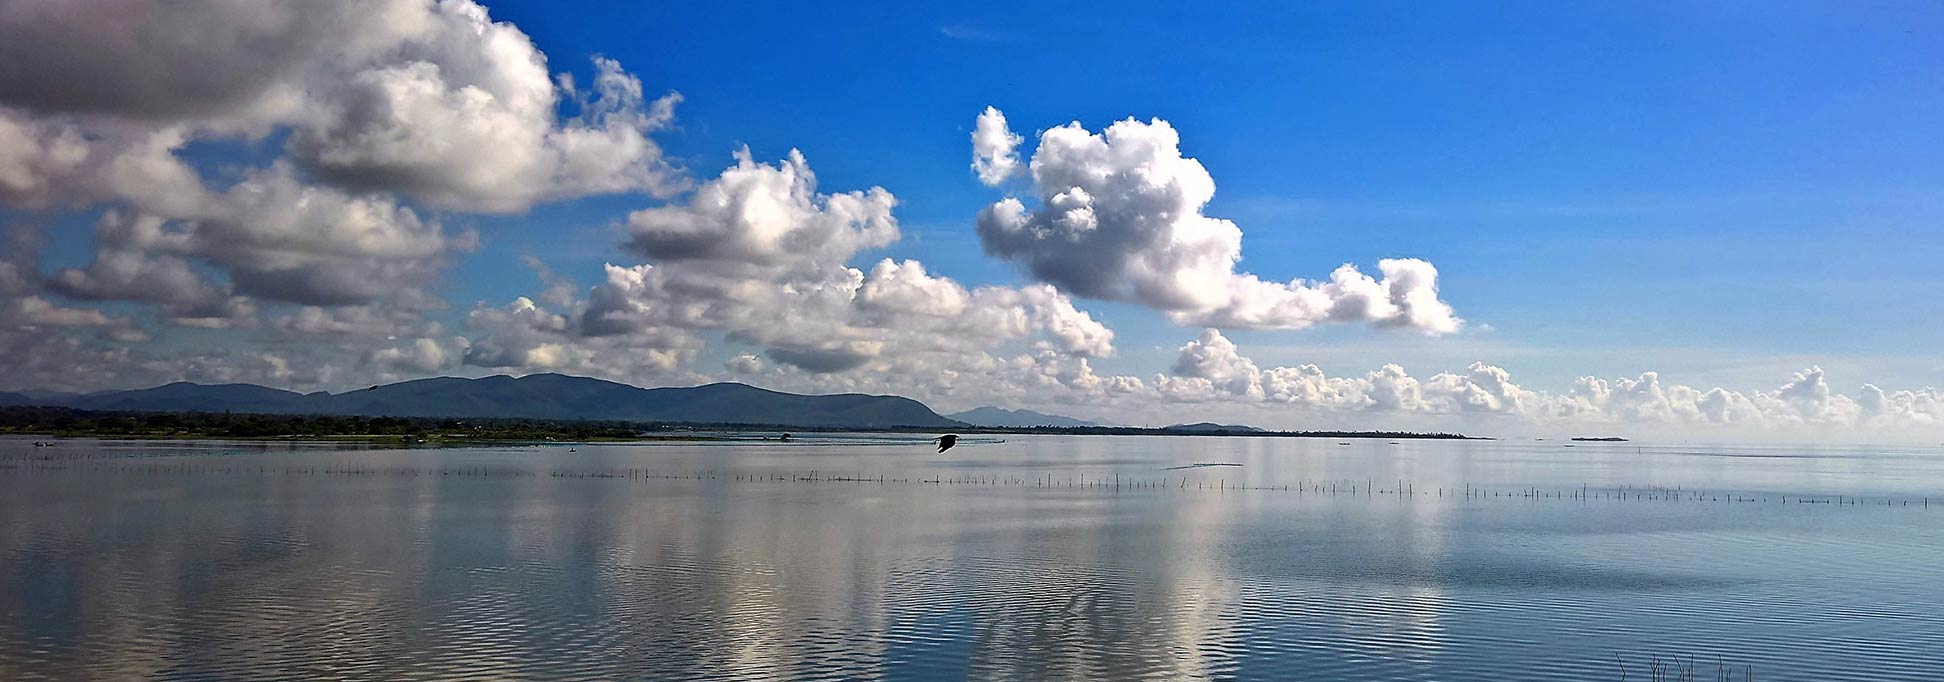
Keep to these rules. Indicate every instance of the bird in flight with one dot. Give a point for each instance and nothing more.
(946, 442)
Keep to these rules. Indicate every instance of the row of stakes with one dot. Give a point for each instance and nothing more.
(1116, 482)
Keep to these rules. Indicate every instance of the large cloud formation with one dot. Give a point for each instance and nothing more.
(379, 115)
(431, 101)
(353, 134)
(761, 256)
(1119, 217)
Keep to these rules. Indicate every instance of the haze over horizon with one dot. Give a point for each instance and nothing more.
(1705, 222)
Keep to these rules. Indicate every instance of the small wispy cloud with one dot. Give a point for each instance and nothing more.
(973, 33)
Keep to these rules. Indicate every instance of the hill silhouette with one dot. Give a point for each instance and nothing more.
(537, 396)
(995, 417)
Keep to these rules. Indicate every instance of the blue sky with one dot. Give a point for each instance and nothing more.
(1724, 193)
(1643, 179)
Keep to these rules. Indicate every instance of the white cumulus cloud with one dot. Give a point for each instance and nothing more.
(1119, 217)
(761, 255)
(1211, 368)
(995, 148)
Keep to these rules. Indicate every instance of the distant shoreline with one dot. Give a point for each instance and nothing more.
(1143, 431)
(71, 422)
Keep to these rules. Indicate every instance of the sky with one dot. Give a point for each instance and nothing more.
(1685, 220)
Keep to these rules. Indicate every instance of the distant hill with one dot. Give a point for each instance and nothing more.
(1211, 427)
(35, 397)
(1003, 418)
(183, 396)
(537, 396)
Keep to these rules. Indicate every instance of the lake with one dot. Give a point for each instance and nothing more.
(1027, 557)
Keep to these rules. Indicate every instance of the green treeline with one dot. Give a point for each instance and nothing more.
(71, 422)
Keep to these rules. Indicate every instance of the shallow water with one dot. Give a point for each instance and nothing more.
(1037, 557)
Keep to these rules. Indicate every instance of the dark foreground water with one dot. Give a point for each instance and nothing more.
(1035, 558)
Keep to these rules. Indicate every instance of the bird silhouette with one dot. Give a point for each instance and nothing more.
(946, 442)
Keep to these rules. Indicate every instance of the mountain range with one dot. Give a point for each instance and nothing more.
(536, 396)
(995, 417)
(1211, 427)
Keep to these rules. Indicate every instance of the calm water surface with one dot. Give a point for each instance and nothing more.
(1033, 558)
